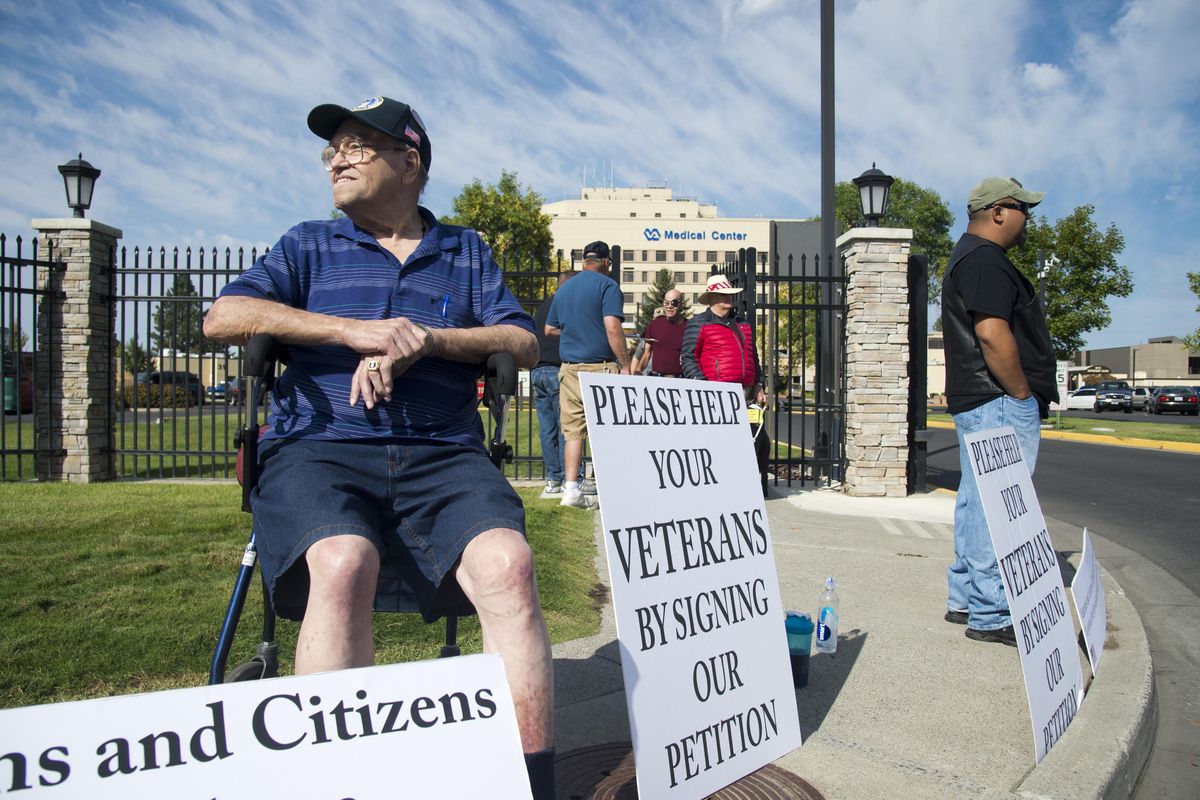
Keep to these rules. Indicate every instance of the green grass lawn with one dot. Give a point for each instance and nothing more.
(1130, 428)
(113, 588)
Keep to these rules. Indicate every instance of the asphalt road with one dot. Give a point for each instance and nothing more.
(1145, 500)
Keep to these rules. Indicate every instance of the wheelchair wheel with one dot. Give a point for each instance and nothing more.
(250, 671)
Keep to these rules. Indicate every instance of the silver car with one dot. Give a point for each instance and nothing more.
(1143, 396)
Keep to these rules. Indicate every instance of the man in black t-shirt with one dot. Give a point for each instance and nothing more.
(1000, 371)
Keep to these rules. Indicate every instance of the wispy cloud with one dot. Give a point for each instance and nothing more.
(195, 112)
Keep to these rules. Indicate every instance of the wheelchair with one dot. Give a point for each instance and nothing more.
(262, 355)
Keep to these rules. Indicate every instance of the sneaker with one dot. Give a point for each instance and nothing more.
(586, 486)
(1004, 635)
(577, 499)
(957, 617)
(553, 489)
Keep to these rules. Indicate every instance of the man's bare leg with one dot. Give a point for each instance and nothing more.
(497, 575)
(336, 632)
(572, 458)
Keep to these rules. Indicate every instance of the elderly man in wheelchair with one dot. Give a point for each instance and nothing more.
(374, 491)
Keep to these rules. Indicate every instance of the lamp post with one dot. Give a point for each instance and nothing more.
(873, 187)
(79, 178)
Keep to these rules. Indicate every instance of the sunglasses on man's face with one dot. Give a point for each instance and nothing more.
(1014, 206)
(672, 303)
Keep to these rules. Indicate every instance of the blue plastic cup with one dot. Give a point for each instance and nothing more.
(799, 636)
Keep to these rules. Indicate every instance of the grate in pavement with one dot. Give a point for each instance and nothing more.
(606, 772)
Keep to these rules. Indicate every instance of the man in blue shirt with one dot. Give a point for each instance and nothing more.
(374, 489)
(586, 314)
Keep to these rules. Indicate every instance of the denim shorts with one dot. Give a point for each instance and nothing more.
(419, 504)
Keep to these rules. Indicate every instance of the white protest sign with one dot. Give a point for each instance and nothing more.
(1037, 600)
(699, 618)
(398, 730)
(1090, 603)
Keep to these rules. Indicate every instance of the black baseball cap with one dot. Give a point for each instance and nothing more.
(384, 114)
(596, 250)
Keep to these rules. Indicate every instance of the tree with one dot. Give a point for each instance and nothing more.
(653, 299)
(509, 220)
(1192, 340)
(909, 206)
(179, 323)
(135, 357)
(1085, 276)
(795, 326)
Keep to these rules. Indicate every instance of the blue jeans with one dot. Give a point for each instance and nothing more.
(545, 399)
(974, 578)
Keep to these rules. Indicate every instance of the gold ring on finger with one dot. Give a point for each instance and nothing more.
(373, 365)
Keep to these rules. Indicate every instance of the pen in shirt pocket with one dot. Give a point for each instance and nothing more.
(445, 305)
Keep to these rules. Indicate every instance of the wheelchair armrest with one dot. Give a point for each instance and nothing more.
(262, 351)
(500, 378)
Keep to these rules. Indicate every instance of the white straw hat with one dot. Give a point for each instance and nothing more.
(717, 284)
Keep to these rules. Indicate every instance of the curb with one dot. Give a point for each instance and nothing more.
(1103, 752)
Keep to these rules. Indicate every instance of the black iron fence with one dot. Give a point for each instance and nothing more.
(173, 414)
(27, 279)
(176, 412)
(798, 313)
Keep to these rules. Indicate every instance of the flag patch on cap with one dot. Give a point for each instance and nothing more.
(413, 135)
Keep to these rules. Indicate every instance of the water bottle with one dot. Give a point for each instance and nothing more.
(827, 618)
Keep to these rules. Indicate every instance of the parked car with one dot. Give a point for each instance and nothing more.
(1083, 398)
(180, 380)
(1177, 398)
(218, 393)
(1115, 395)
(236, 386)
(1142, 397)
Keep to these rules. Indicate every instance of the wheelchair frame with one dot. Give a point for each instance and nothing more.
(263, 352)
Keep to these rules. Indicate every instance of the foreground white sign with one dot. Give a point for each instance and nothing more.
(1032, 581)
(400, 730)
(699, 617)
(1090, 603)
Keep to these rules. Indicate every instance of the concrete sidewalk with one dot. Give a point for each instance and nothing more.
(908, 707)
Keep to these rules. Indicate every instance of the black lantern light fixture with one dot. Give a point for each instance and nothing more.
(79, 178)
(873, 187)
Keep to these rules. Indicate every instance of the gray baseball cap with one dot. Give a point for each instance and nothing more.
(992, 190)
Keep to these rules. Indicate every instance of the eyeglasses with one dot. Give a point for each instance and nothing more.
(672, 303)
(1022, 207)
(353, 151)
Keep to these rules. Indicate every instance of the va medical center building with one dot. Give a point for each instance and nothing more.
(658, 231)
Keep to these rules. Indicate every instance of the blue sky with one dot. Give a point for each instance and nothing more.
(195, 111)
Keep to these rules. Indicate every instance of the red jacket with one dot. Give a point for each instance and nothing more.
(719, 349)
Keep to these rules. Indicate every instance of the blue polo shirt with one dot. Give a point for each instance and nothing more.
(334, 267)
(578, 310)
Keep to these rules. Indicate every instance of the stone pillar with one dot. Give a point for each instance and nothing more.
(76, 323)
(876, 360)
